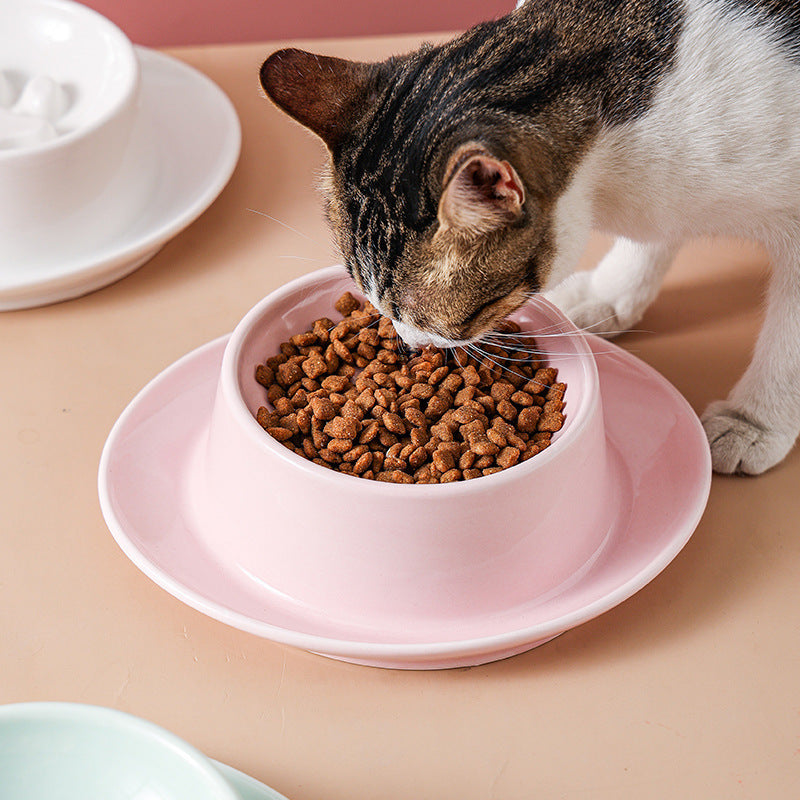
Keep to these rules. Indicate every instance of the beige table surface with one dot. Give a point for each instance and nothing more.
(690, 689)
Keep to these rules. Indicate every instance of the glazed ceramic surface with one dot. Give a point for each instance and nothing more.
(78, 752)
(246, 788)
(181, 157)
(380, 554)
(69, 97)
(657, 469)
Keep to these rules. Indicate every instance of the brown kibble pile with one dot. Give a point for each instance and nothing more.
(346, 397)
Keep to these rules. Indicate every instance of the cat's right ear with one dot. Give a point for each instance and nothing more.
(323, 93)
(481, 194)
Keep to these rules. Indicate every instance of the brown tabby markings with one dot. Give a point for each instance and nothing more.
(531, 89)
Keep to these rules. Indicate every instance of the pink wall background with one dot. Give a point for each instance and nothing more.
(187, 22)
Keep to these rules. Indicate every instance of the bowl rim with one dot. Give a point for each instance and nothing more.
(48, 712)
(229, 388)
(124, 48)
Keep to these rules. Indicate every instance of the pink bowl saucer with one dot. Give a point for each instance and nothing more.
(661, 472)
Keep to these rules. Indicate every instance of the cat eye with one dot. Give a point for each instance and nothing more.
(480, 310)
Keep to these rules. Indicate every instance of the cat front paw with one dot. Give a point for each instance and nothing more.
(577, 299)
(739, 445)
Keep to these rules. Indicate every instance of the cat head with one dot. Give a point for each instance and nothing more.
(444, 213)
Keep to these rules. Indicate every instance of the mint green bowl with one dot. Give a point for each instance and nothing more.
(69, 751)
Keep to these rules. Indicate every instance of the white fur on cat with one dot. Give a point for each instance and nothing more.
(718, 153)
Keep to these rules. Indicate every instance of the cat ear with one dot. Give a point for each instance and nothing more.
(482, 193)
(321, 92)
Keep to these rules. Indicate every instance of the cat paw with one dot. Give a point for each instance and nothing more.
(739, 445)
(577, 299)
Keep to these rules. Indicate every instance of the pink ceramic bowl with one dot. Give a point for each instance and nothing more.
(372, 553)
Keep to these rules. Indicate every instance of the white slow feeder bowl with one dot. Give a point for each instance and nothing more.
(69, 93)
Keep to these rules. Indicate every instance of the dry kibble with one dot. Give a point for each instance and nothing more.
(304, 339)
(321, 328)
(283, 406)
(266, 418)
(437, 406)
(342, 428)
(340, 349)
(496, 437)
(288, 373)
(335, 383)
(323, 408)
(415, 416)
(551, 422)
(393, 423)
(423, 391)
(417, 457)
(314, 366)
(470, 376)
(467, 459)
(395, 476)
(521, 399)
(347, 304)
(501, 390)
(281, 434)
(353, 410)
(507, 410)
(507, 457)
(465, 395)
(356, 452)
(419, 436)
(346, 397)
(484, 447)
(369, 336)
(450, 476)
(264, 375)
(528, 419)
(326, 454)
(466, 413)
(387, 438)
(340, 446)
(443, 460)
(363, 463)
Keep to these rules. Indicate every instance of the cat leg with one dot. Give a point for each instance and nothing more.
(613, 296)
(758, 424)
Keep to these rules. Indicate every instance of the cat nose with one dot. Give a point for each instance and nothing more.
(416, 338)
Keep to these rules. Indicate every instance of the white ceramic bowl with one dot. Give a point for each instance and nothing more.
(81, 752)
(69, 91)
(375, 553)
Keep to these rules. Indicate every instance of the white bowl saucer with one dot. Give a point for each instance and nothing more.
(660, 465)
(190, 129)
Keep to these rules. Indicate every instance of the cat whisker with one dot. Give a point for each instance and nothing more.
(473, 347)
(303, 258)
(284, 224)
(375, 314)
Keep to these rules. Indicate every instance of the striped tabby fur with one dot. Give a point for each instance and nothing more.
(467, 175)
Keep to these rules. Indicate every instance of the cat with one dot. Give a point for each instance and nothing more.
(463, 177)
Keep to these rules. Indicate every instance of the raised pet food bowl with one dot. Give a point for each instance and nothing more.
(383, 554)
(69, 94)
(235, 524)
